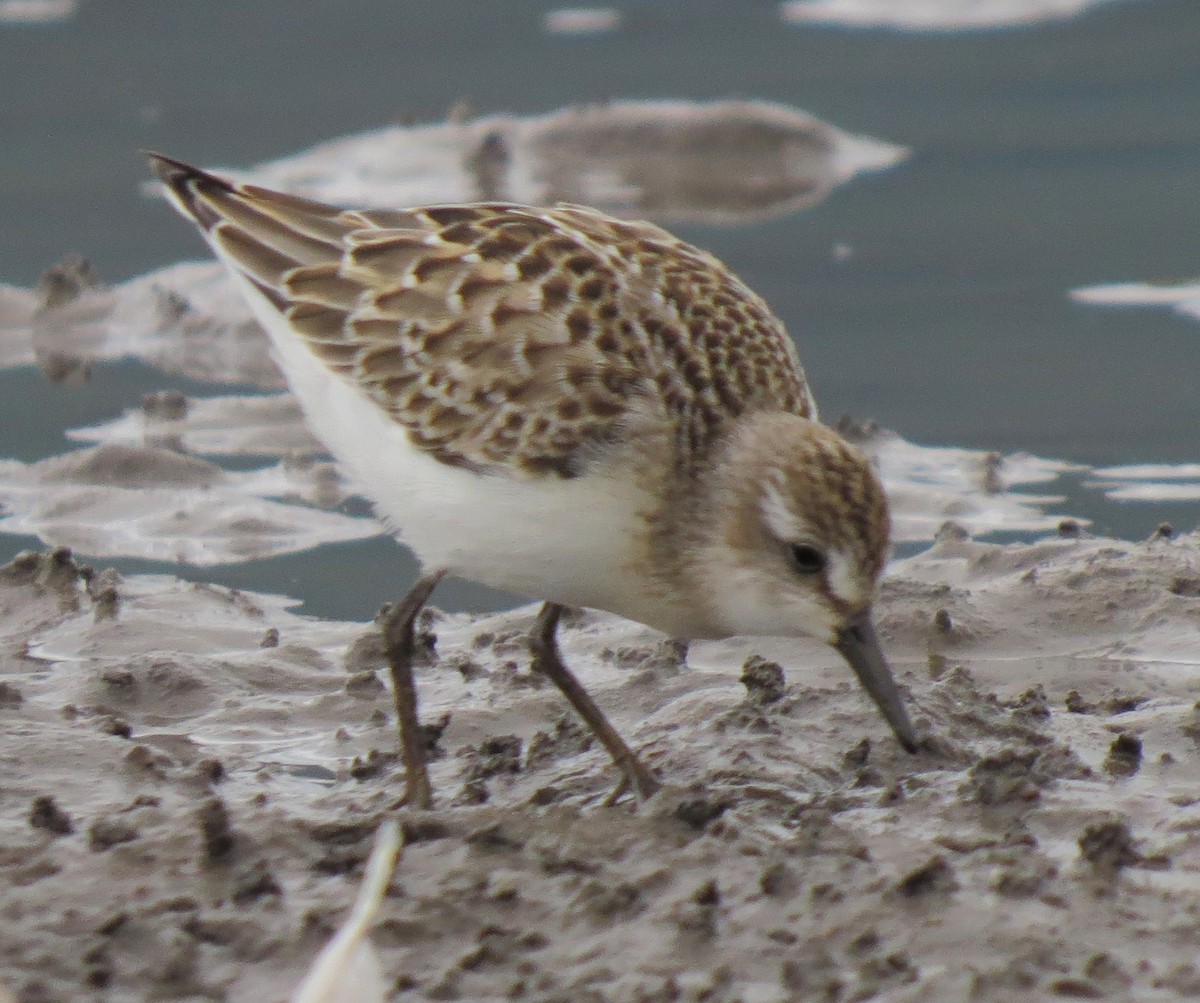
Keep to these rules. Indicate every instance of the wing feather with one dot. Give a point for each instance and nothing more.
(505, 337)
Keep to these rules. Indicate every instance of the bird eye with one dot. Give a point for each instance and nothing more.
(807, 559)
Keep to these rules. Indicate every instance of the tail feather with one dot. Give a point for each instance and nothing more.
(265, 234)
(185, 183)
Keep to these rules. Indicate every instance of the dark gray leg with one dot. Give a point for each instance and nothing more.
(398, 626)
(548, 661)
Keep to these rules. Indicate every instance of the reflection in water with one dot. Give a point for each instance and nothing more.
(185, 319)
(488, 164)
(725, 162)
(932, 15)
(64, 282)
(978, 490)
(69, 297)
(731, 162)
(152, 503)
(1182, 296)
(269, 425)
(581, 20)
(36, 11)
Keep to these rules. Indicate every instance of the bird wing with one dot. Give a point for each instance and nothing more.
(506, 337)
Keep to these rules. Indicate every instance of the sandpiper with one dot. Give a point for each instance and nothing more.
(572, 407)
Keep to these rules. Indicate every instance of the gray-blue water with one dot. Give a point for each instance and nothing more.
(1044, 158)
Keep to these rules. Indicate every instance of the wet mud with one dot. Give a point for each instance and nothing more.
(194, 776)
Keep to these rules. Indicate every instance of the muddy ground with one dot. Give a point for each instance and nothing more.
(190, 779)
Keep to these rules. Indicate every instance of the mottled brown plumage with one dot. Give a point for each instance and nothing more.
(509, 336)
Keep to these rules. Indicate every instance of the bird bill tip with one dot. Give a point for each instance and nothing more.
(859, 645)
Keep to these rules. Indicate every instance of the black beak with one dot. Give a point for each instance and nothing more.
(860, 647)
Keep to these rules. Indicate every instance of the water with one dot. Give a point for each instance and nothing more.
(1044, 159)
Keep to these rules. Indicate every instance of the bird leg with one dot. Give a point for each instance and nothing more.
(398, 623)
(548, 660)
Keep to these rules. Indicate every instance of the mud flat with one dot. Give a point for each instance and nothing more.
(193, 777)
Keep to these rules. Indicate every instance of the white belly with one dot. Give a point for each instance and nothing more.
(570, 541)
